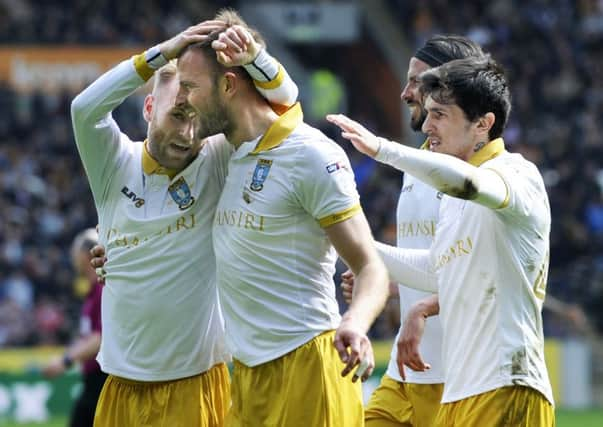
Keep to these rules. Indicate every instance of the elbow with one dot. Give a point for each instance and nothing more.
(468, 190)
(78, 108)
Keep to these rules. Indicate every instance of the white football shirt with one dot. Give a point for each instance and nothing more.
(275, 264)
(417, 216)
(492, 267)
(160, 311)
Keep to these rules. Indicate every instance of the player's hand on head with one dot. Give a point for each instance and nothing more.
(347, 286)
(408, 343)
(171, 48)
(355, 351)
(361, 138)
(235, 47)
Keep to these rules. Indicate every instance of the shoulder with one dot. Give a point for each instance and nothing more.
(217, 145)
(313, 144)
(514, 167)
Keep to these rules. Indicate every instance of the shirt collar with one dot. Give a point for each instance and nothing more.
(280, 129)
(491, 150)
(150, 166)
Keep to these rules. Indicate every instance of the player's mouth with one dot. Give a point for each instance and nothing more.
(413, 106)
(180, 148)
(434, 143)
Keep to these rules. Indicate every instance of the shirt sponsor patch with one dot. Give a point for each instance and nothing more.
(335, 166)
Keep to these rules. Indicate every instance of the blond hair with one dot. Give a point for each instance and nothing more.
(231, 17)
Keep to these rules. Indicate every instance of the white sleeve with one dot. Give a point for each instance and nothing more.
(97, 135)
(409, 267)
(324, 183)
(446, 173)
(272, 80)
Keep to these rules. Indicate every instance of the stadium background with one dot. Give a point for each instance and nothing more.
(348, 56)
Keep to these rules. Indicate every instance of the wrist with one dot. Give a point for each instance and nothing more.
(350, 317)
(380, 141)
(263, 68)
(67, 360)
(155, 58)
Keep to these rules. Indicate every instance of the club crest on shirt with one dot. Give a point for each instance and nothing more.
(262, 168)
(181, 193)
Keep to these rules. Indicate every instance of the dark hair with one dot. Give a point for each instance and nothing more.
(477, 85)
(443, 48)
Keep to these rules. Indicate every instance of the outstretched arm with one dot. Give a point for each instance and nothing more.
(446, 173)
(409, 266)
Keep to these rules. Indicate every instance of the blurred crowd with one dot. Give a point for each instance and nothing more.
(552, 49)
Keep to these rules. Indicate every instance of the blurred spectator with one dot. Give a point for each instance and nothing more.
(85, 348)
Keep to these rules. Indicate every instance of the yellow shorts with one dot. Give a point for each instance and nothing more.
(303, 388)
(515, 406)
(199, 401)
(395, 404)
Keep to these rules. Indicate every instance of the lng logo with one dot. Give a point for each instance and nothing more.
(138, 202)
(262, 169)
(335, 166)
(181, 193)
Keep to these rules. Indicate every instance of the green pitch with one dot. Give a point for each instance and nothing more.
(565, 418)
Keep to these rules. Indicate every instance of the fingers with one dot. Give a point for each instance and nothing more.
(409, 355)
(98, 262)
(230, 40)
(97, 251)
(341, 348)
(400, 363)
(340, 120)
(347, 285)
(366, 366)
(347, 291)
(347, 276)
(355, 350)
(206, 27)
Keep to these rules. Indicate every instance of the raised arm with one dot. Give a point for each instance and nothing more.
(97, 135)
(236, 47)
(444, 172)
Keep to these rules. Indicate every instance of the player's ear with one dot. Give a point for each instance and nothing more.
(147, 107)
(485, 123)
(229, 83)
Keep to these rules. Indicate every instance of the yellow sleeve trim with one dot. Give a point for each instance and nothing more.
(339, 217)
(142, 68)
(505, 202)
(275, 82)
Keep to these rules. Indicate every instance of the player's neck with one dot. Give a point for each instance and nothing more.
(251, 121)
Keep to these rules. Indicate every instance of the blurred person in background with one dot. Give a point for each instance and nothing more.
(84, 350)
(163, 342)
